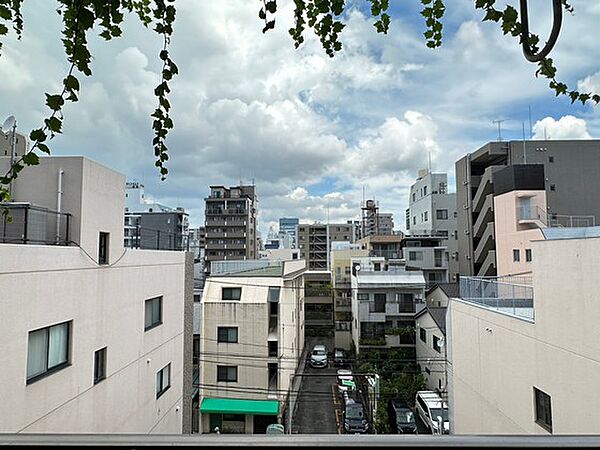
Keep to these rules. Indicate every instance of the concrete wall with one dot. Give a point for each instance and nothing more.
(45, 285)
(497, 359)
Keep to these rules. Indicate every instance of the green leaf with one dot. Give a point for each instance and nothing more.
(71, 83)
(38, 135)
(44, 148)
(54, 102)
(54, 124)
(31, 159)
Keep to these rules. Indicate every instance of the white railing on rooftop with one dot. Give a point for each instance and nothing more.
(511, 295)
(534, 212)
(229, 267)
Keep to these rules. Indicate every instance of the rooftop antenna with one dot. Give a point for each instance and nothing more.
(429, 160)
(10, 124)
(524, 151)
(530, 126)
(499, 123)
(545, 134)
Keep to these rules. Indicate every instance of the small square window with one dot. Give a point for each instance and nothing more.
(551, 159)
(99, 365)
(441, 214)
(227, 374)
(163, 380)
(543, 409)
(233, 293)
(553, 187)
(516, 255)
(227, 335)
(48, 350)
(153, 313)
(528, 255)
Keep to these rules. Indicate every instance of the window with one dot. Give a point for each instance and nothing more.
(364, 297)
(274, 294)
(551, 159)
(423, 335)
(231, 293)
(48, 350)
(227, 335)
(377, 267)
(227, 373)
(425, 215)
(153, 313)
(406, 303)
(414, 220)
(425, 191)
(543, 409)
(163, 380)
(436, 344)
(414, 196)
(553, 187)
(379, 302)
(272, 348)
(103, 248)
(516, 255)
(528, 254)
(197, 298)
(99, 365)
(415, 256)
(441, 214)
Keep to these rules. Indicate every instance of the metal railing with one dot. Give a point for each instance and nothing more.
(231, 267)
(554, 220)
(387, 254)
(511, 295)
(29, 224)
(144, 238)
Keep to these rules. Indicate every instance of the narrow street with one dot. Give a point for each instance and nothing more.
(316, 412)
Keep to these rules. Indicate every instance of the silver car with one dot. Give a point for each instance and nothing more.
(318, 356)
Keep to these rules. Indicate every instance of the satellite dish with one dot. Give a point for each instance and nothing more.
(8, 123)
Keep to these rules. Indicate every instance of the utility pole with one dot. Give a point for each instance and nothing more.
(499, 123)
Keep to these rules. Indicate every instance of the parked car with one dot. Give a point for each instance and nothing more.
(433, 411)
(318, 356)
(339, 357)
(355, 420)
(345, 381)
(402, 418)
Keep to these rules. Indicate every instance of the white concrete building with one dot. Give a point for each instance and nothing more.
(251, 342)
(526, 359)
(279, 254)
(385, 299)
(93, 336)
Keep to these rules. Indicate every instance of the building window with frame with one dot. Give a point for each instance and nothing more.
(415, 256)
(423, 335)
(436, 344)
(99, 365)
(425, 214)
(163, 380)
(528, 256)
(362, 296)
(103, 241)
(379, 303)
(543, 409)
(516, 255)
(227, 335)
(441, 214)
(553, 187)
(48, 350)
(227, 374)
(231, 293)
(153, 313)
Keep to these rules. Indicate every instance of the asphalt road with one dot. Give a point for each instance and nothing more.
(316, 411)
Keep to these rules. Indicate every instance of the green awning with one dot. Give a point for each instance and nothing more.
(234, 406)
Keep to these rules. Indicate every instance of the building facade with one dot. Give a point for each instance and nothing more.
(99, 336)
(289, 225)
(251, 343)
(230, 224)
(428, 254)
(569, 166)
(374, 222)
(315, 242)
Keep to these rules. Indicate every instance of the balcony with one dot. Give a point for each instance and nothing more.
(510, 295)
(151, 239)
(29, 224)
(317, 291)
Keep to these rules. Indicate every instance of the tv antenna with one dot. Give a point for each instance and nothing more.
(499, 123)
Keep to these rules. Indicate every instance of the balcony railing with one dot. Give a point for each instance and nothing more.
(144, 238)
(29, 224)
(535, 213)
(510, 295)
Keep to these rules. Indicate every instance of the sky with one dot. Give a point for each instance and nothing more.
(311, 132)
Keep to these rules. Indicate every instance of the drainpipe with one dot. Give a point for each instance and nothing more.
(59, 194)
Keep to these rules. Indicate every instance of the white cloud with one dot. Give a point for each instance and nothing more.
(591, 83)
(567, 127)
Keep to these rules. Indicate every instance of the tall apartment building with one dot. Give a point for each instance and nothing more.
(230, 224)
(385, 299)
(523, 355)
(251, 343)
(571, 184)
(315, 241)
(93, 336)
(289, 225)
(152, 226)
(374, 222)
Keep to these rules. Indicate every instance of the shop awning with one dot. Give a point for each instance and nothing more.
(234, 406)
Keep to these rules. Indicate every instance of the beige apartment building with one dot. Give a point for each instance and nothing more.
(524, 358)
(96, 338)
(315, 242)
(251, 342)
(230, 224)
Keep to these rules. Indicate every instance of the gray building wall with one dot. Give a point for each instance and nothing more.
(158, 230)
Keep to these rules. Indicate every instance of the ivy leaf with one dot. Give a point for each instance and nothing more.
(54, 102)
(54, 124)
(31, 159)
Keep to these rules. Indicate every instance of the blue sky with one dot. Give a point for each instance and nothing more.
(310, 130)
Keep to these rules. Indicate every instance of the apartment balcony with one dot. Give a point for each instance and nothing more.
(387, 254)
(511, 295)
(484, 188)
(485, 244)
(236, 212)
(317, 291)
(31, 224)
(235, 234)
(485, 216)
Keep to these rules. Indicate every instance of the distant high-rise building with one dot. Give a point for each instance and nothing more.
(374, 222)
(230, 224)
(314, 242)
(289, 225)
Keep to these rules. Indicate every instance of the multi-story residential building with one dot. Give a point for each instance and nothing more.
(251, 343)
(428, 254)
(341, 265)
(385, 299)
(431, 218)
(96, 337)
(523, 357)
(230, 224)
(569, 167)
(374, 222)
(152, 226)
(289, 225)
(388, 247)
(357, 229)
(314, 242)
(279, 240)
(281, 254)
(318, 301)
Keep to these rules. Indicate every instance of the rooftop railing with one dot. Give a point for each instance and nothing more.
(29, 224)
(509, 294)
(231, 267)
(554, 220)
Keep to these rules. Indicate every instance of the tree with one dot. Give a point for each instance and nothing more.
(324, 17)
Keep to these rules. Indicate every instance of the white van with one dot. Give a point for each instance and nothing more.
(432, 410)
